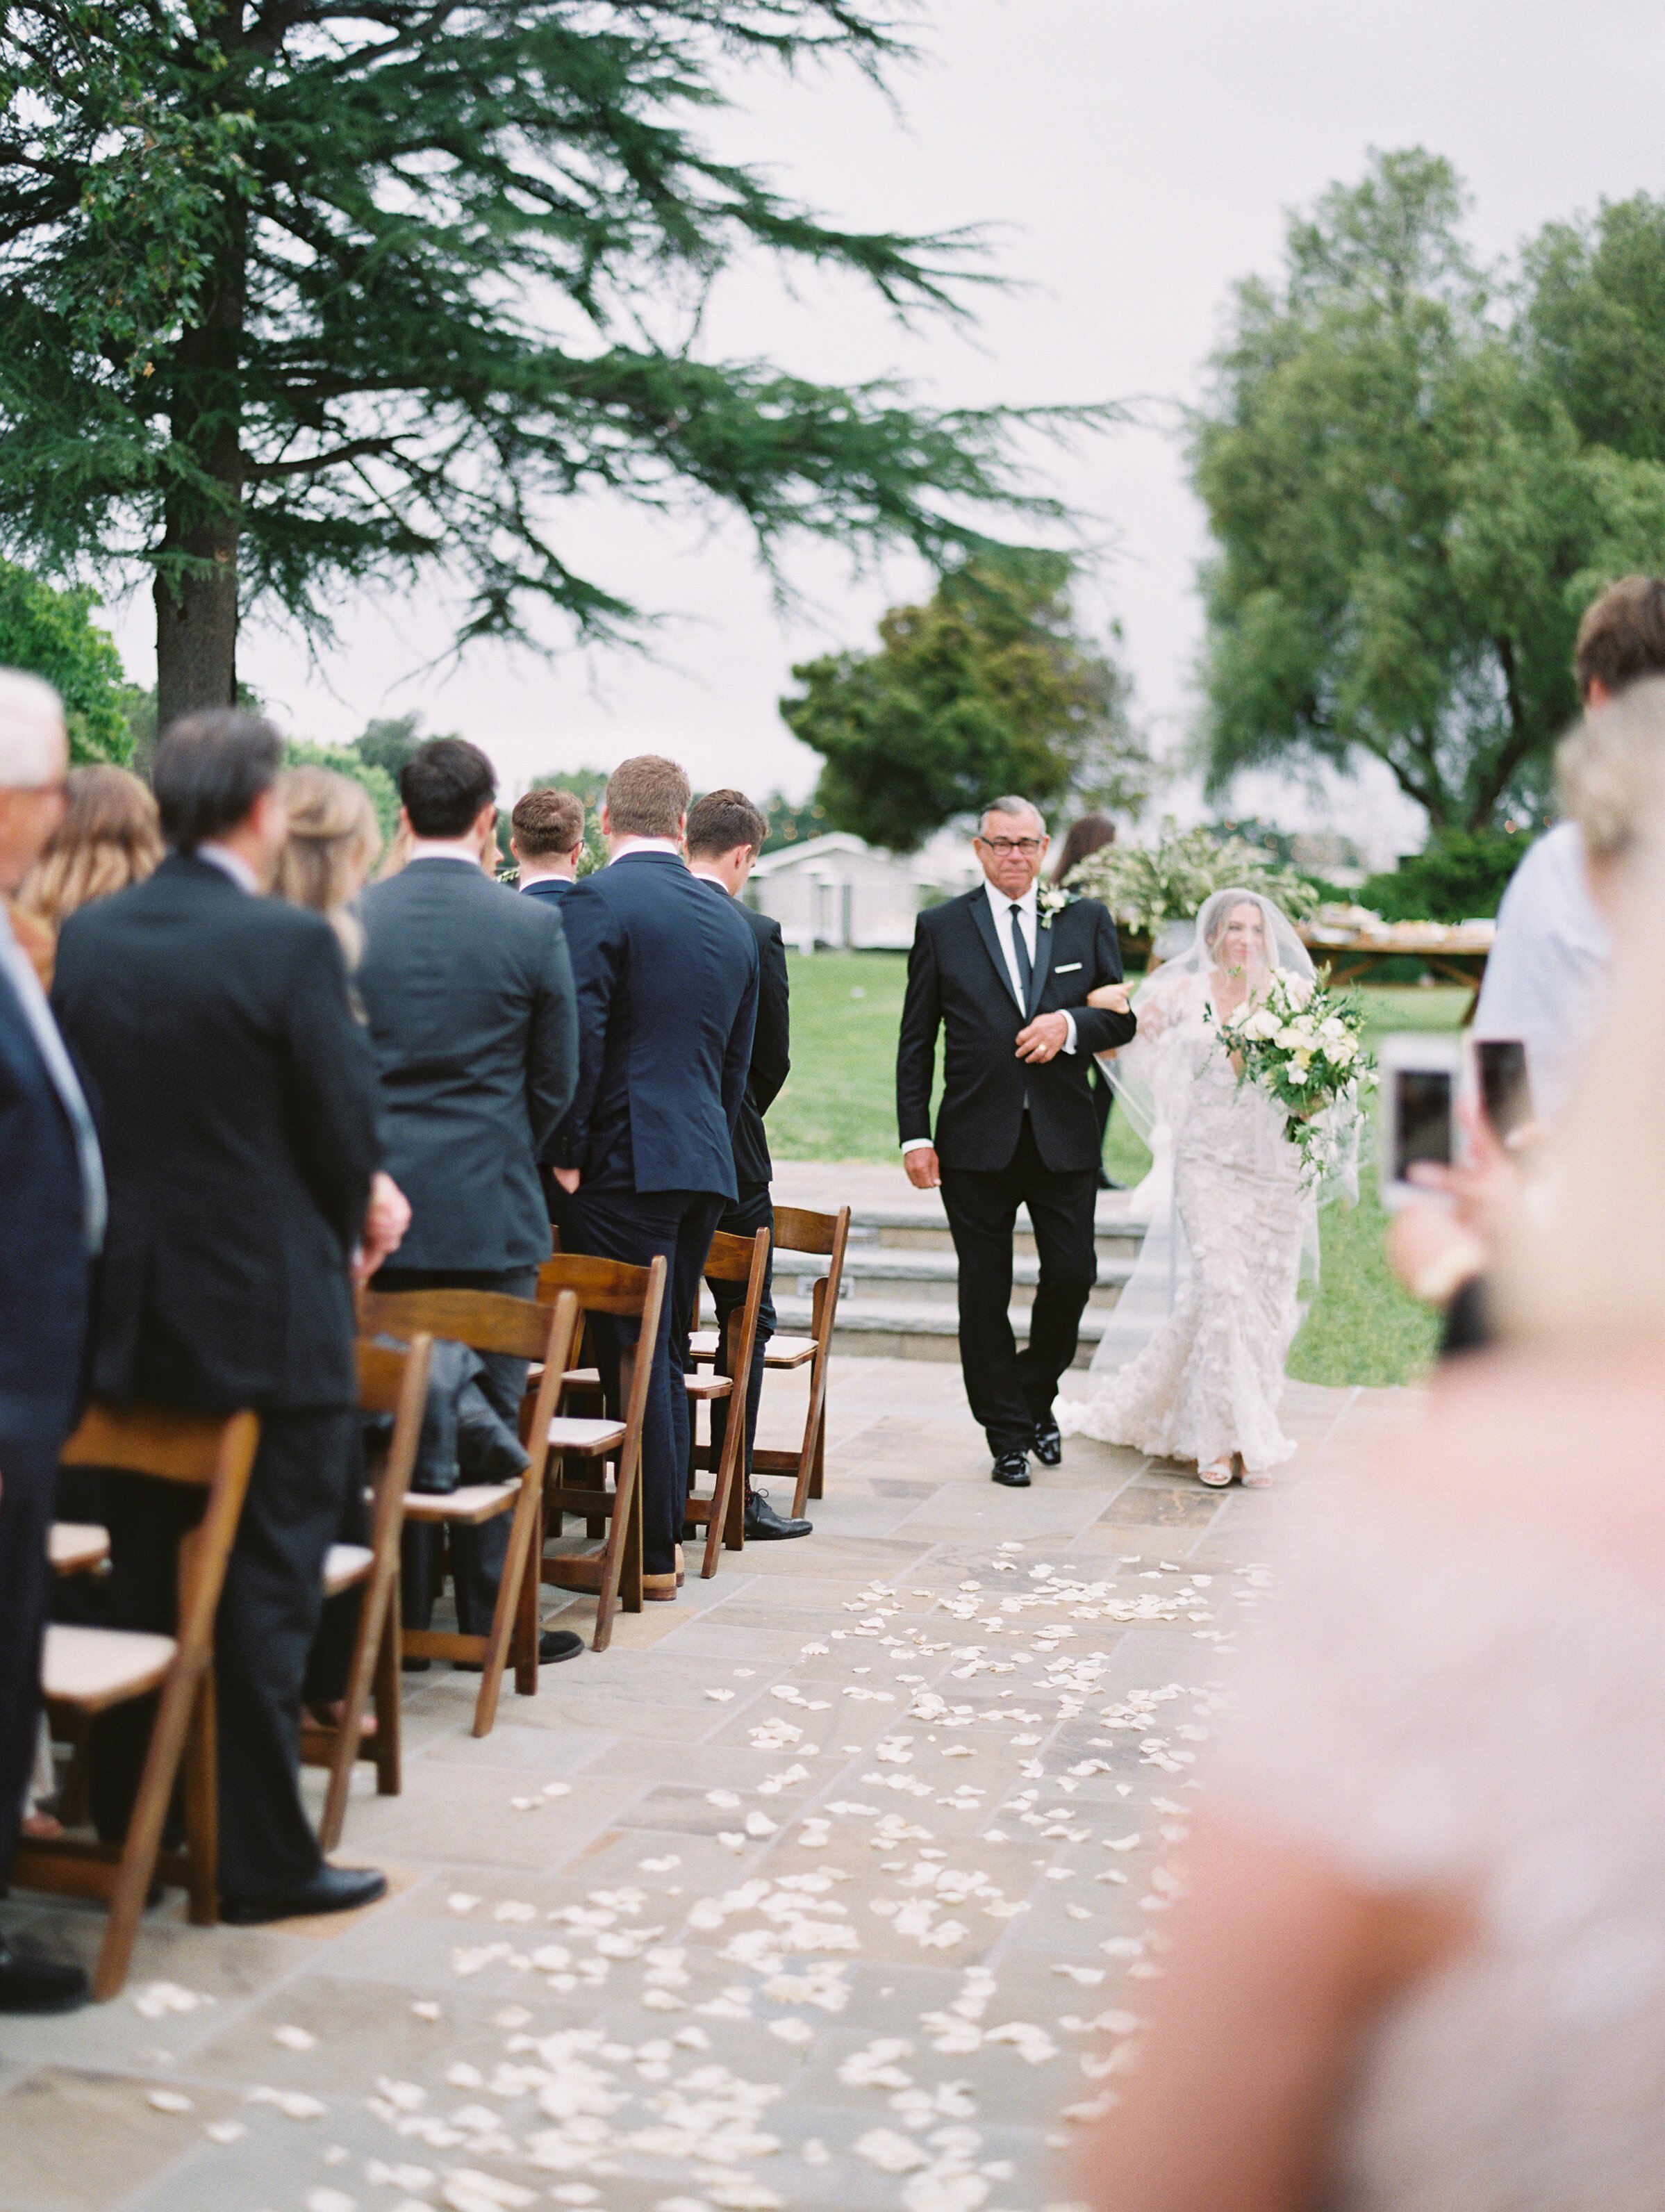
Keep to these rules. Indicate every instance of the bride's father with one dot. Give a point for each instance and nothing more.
(1006, 980)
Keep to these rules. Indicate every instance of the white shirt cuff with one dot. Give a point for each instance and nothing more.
(916, 1145)
(1069, 1039)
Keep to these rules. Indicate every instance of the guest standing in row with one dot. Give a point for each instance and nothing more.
(52, 1205)
(546, 838)
(643, 1165)
(469, 995)
(240, 1139)
(726, 834)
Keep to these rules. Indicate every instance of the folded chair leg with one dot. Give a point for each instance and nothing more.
(507, 1610)
(180, 1698)
(349, 1729)
(200, 1794)
(389, 1749)
(526, 1628)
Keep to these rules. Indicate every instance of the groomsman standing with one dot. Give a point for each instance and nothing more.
(726, 834)
(666, 979)
(546, 836)
(1006, 984)
(52, 1209)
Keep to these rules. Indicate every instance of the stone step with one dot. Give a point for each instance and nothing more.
(923, 1225)
(915, 1328)
(921, 1274)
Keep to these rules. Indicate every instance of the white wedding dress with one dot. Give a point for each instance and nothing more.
(1192, 1364)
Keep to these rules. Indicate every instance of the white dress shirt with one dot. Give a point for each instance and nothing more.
(1029, 920)
(1547, 976)
(19, 971)
(229, 863)
(623, 846)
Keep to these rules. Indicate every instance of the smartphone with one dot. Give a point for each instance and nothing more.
(1420, 1076)
(1506, 1088)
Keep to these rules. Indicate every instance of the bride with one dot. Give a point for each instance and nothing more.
(1206, 1323)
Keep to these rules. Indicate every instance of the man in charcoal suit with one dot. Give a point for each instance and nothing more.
(239, 1138)
(726, 834)
(1006, 983)
(667, 976)
(52, 1205)
(468, 991)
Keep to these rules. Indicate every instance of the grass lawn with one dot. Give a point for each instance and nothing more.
(839, 1105)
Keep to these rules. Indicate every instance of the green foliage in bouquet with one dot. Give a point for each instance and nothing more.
(1307, 1054)
(1145, 886)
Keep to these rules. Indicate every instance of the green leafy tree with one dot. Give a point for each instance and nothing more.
(987, 688)
(299, 293)
(1595, 318)
(1409, 519)
(1458, 876)
(52, 634)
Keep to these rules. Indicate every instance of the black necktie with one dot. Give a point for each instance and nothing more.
(1022, 951)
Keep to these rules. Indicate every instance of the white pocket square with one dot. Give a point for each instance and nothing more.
(1068, 968)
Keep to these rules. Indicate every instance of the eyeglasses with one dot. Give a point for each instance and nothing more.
(1026, 846)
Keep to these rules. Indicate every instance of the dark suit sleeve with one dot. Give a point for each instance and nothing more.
(332, 1083)
(737, 1058)
(552, 1059)
(1098, 1028)
(595, 949)
(916, 1044)
(771, 1042)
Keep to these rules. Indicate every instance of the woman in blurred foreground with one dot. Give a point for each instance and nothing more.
(1421, 1967)
(109, 837)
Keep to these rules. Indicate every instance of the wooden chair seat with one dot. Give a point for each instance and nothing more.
(74, 1547)
(345, 1566)
(789, 1351)
(568, 1433)
(514, 1328)
(94, 1668)
(704, 1386)
(473, 1502)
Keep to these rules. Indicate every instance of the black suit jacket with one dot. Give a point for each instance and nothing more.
(552, 888)
(45, 1272)
(469, 995)
(771, 1044)
(958, 982)
(667, 973)
(239, 1106)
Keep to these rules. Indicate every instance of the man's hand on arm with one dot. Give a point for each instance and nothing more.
(920, 1162)
(1044, 1038)
(567, 1177)
(385, 1220)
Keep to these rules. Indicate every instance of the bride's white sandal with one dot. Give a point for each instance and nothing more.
(1217, 1477)
(1253, 1478)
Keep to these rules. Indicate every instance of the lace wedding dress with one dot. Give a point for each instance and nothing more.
(1207, 1383)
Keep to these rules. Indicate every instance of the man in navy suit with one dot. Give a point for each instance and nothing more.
(547, 840)
(666, 980)
(53, 1204)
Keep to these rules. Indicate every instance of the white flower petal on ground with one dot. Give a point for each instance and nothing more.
(889, 2152)
(169, 2100)
(295, 2038)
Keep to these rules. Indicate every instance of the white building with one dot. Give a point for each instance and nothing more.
(840, 892)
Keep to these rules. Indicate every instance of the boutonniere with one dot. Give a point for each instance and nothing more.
(1051, 901)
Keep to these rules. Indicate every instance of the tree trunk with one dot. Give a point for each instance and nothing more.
(197, 620)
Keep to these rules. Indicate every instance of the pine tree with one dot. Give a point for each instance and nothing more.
(299, 293)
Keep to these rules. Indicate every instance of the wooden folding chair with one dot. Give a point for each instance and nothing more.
(76, 1547)
(615, 1288)
(723, 1515)
(88, 1670)
(825, 1235)
(489, 1321)
(395, 1383)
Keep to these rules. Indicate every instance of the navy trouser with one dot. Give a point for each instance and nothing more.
(27, 1468)
(751, 1211)
(637, 1226)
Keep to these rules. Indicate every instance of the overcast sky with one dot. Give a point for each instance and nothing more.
(1131, 162)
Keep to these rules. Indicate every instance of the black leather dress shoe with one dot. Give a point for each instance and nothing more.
(332, 1889)
(765, 1526)
(29, 1983)
(556, 1644)
(1048, 1444)
(1012, 1469)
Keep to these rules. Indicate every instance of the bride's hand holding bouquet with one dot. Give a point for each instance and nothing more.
(1303, 1046)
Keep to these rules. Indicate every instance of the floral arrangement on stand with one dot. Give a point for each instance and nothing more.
(1145, 886)
(1305, 1049)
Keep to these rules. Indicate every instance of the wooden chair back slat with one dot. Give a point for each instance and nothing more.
(154, 1440)
(486, 1320)
(798, 1229)
(603, 1287)
(729, 1260)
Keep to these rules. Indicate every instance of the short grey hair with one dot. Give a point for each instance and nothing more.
(1011, 803)
(32, 738)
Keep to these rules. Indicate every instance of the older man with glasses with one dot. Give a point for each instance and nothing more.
(1007, 981)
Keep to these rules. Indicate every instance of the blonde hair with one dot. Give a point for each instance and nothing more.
(1608, 770)
(1585, 1266)
(109, 838)
(332, 845)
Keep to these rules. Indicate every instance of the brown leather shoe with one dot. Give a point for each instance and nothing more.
(659, 1589)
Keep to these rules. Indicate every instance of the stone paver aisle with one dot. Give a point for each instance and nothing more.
(837, 1885)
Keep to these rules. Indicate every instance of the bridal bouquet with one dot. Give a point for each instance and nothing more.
(1308, 1055)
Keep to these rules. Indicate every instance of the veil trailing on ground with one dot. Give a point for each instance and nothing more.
(1154, 1078)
